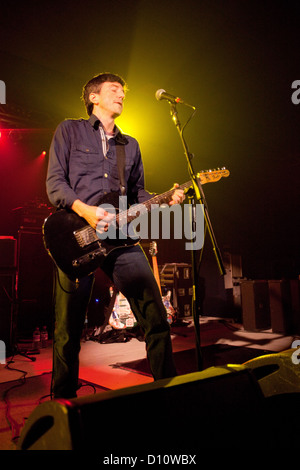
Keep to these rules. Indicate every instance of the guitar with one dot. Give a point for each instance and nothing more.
(75, 246)
(166, 298)
(122, 315)
(153, 254)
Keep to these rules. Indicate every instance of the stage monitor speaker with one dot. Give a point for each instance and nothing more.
(217, 407)
(278, 376)
(277, 373)
(34, 283)
(255, 305)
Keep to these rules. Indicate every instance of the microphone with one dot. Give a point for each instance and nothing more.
(163, 95)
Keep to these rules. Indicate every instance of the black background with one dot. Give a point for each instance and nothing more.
(234, 60)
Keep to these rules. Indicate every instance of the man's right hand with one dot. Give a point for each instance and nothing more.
(97, 217)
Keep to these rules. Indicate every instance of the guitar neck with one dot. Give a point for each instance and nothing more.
(205, 177)
(166, 197)
(157, 200)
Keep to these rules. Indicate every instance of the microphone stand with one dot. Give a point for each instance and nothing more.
(196, 196)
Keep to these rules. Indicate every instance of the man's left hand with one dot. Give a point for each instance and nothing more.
(178, 196)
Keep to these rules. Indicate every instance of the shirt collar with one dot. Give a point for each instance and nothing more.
(119, 137)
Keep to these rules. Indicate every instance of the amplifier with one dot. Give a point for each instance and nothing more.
(31, 216)
(280, 306)
(8, 252)
(255, 305)
(177, 277)
(34, 283)
(7, 300)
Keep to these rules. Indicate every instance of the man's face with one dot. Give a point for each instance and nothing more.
(109, 99)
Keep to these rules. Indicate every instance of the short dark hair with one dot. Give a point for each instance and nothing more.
(94, 85)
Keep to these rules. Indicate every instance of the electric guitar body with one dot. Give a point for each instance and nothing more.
(75, 246)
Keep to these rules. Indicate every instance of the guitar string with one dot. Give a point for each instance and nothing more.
(156, 199)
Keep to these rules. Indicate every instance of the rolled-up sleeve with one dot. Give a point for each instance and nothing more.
(58, 187)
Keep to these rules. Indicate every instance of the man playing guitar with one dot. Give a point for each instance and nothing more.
(83, 168)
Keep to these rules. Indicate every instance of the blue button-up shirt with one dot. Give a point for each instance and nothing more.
(78, 169)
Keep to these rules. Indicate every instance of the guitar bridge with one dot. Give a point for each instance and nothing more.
(85, 236)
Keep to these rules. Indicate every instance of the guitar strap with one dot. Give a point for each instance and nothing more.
(120, 149)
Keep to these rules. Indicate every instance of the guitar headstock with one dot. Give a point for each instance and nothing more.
(211, 176)
(153, 249)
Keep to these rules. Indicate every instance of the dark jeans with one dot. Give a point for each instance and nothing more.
(132, 275)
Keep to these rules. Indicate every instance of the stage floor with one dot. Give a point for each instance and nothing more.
(111, 366)
(102, 363)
